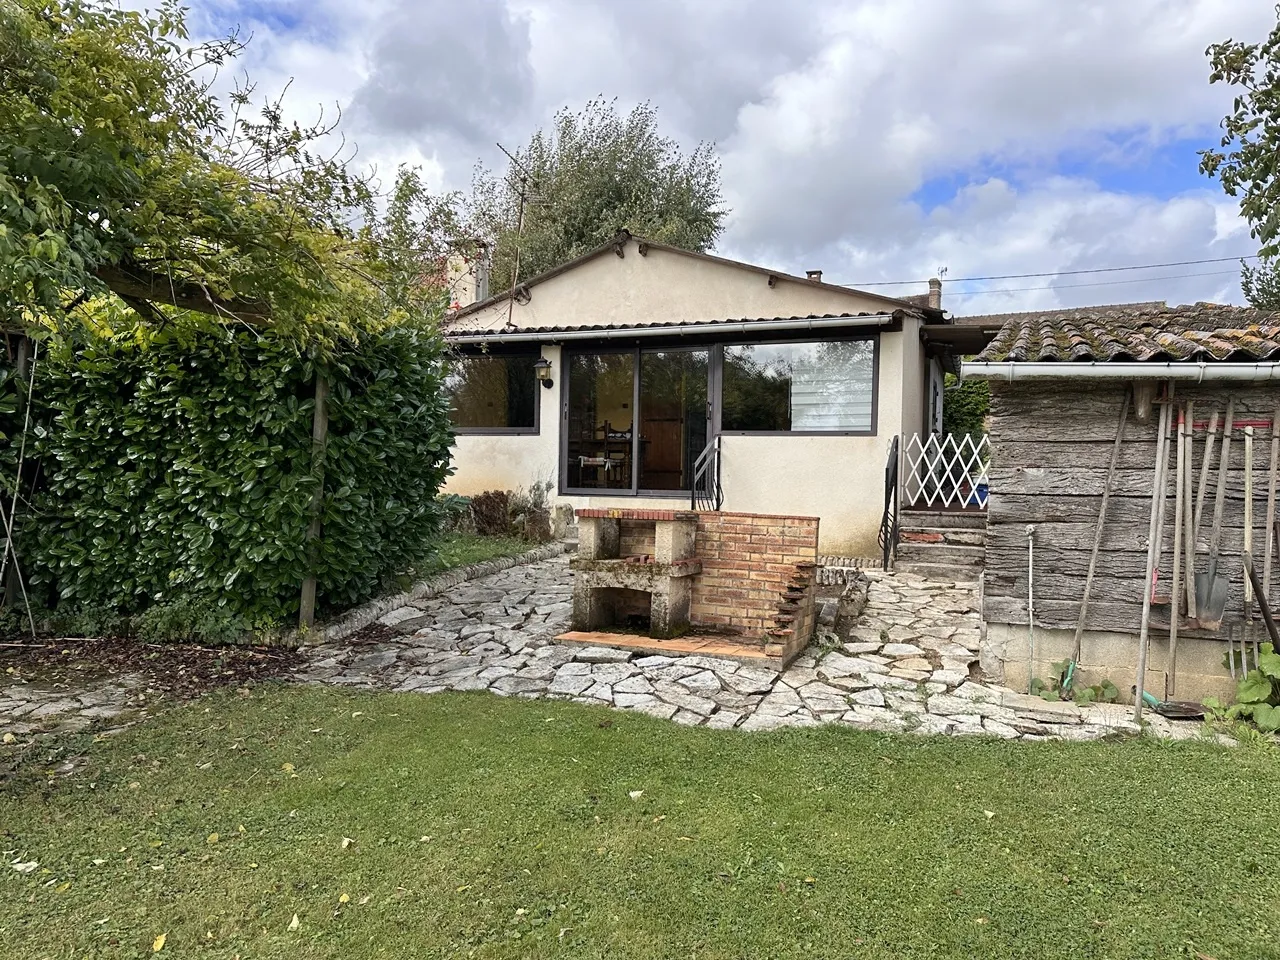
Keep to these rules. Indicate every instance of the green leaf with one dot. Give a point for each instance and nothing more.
(1254, 688)
(1267, 717)
(1269, 663)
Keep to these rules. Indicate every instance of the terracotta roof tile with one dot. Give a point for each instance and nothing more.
(1196, 332)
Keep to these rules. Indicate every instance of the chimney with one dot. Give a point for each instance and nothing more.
(468, 276)
(814, 275)
(935, 294)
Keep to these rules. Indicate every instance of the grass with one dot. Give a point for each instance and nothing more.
(461, 549)
(467, 825)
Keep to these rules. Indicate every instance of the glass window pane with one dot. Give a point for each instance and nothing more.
(599, 431)
(822, 386)
(492, 393)
(673, 416)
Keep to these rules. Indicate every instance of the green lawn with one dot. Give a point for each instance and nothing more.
(495, 828)
(461, 549)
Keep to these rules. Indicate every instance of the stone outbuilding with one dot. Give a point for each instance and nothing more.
(1059, 384)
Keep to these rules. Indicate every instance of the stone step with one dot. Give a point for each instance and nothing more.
(933, 519)
(949, 553)
(938, 571)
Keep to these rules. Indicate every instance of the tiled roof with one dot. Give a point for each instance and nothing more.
(996, 320)
(606, 330)
(1197, 332)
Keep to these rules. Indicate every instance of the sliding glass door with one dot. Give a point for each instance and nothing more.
(634, 421)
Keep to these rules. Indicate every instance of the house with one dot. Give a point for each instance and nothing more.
(641, 376)
(1059, 382)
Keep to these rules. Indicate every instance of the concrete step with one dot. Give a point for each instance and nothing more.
(935, 519)
(949, 553)
(938, 571)
(960, 535)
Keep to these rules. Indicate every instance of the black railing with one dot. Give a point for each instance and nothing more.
(707, 492)
(888, 537)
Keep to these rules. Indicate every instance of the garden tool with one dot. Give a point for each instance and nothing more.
(1263, 605)
(1181, 473)
(1153, 539)
(1212, 586)
(1174, 709)
(1193, 547)
(1069, 675)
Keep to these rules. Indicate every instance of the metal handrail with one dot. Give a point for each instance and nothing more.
(888, 535)
(707, 494)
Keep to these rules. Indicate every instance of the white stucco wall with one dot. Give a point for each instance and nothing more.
(667, 287)
(837, 479)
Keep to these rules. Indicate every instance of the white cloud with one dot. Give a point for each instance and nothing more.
(830, 116)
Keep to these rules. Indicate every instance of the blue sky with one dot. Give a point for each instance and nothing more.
(874, 139)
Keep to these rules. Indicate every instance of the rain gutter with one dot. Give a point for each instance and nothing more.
(1196, 372)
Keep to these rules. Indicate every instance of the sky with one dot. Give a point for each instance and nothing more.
(876, 140)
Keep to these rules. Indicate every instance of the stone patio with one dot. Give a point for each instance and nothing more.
(909, 664)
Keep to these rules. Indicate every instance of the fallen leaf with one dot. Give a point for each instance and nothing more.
(358, 713)
(64, 886)
(463, 888)
(158, 943)
(810, 880)
(980, 920)
(10, 738)
(635, 794)
(27, 867)
(659, 819)
(690, 839)
(97, 862)
(211, 838)
(988, 814)
(287, 767)
(293, 924)
(346, 842)
(344, 899)
(363, 900)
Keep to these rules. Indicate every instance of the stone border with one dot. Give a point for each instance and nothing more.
(367, 613)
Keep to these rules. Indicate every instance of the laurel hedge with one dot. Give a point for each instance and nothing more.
(180, 471)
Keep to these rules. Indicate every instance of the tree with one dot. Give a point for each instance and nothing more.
(123, 178)
(1247, 160)
(594, 173)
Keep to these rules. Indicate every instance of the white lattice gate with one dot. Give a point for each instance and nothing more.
(943, 471)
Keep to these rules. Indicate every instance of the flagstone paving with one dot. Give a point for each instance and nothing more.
(908, 664)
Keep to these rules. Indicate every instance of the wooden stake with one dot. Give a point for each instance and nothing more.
(1157, 488)
(1188, 519)
(12, 584)
(319, 434)
(1097, 533)
(1175, 588)
(1271, 505)
(1248, 517)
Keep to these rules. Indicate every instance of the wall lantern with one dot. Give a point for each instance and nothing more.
(542, 370)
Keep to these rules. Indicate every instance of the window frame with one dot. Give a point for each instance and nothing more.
(718, 386)
(534, 353)
(715, 397)
(635, 350)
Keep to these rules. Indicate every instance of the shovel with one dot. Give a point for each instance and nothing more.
(1212, 586)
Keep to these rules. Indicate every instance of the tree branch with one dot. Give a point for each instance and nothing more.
(141, 284)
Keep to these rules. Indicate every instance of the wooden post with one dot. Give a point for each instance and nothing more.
(319, 435)
(12, 584)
